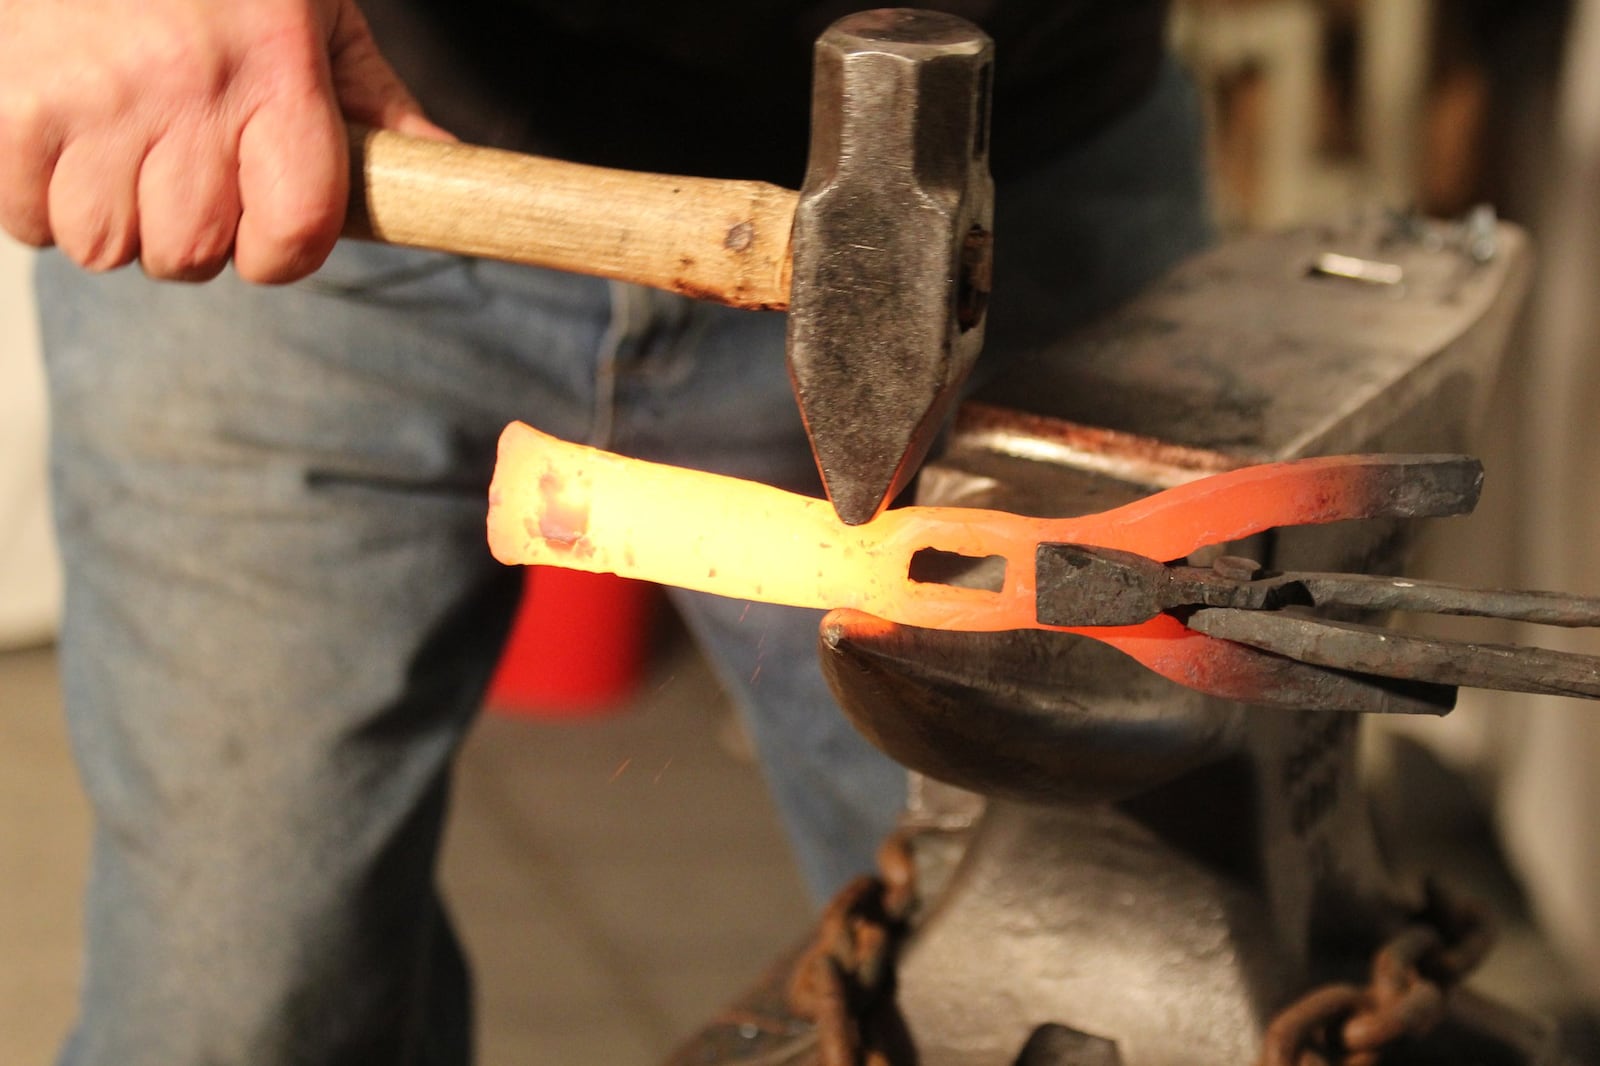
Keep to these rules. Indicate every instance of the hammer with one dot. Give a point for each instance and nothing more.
(882, 258)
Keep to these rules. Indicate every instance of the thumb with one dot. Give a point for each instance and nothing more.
(366, 87)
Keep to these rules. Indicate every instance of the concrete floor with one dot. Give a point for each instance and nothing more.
(44, 831)
(616, 879)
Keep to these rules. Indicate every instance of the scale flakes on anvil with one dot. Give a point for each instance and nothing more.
(562, 504)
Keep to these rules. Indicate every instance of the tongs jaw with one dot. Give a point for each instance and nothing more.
(1236, 600)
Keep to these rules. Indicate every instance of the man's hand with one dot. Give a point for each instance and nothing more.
(180, 132)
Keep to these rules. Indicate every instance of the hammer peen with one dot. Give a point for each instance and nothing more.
(882, 258)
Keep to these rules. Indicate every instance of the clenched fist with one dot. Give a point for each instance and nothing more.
(182, 132)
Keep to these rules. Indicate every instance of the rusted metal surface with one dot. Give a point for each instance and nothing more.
(1133, 458)
(1404, 997)
(844, 982)
(832, 1003)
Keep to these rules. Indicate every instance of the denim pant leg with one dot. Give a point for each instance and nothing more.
(280, 615)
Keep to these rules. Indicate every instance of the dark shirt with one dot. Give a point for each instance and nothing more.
(721, 88)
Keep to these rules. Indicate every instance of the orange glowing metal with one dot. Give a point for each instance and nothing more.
(568, 505)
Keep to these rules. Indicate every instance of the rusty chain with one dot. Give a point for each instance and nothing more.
(843, 982)
(1405, 995)
(846, 975)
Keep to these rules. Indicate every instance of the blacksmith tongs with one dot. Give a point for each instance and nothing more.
(1237, 600)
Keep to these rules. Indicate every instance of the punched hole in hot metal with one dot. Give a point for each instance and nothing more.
(931, 566)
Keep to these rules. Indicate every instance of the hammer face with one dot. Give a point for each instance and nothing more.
(892, 246)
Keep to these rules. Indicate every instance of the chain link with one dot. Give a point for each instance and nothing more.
(846, 975)
(1405, 995)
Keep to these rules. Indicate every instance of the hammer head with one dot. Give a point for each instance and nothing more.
(892, 246)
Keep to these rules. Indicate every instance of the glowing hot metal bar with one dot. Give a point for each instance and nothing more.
(564, 504)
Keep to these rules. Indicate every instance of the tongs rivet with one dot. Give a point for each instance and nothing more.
(1236, 568)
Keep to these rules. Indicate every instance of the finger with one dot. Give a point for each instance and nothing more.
(367, 87)
(30, 144)
(293, 184)
(94, 214)
(188, 205)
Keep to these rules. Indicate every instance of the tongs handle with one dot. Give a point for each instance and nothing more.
(1406, 656)
(1236, 600)
(1377, 593)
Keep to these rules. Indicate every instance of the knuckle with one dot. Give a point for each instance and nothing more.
(24, 121)
(25, 153)
(200, 258)
(192, 271)
(291, 58)
(111, 253)
(26, 231)
(292, 247)
(181, 61)
(91, 210)
(274, 271)
(100, 250)
(299, 233)
(105, 93)
(260, 271)
(271, 263)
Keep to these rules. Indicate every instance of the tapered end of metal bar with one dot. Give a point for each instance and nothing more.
(1423, 486)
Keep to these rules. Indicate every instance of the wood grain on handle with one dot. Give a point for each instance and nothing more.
(726, 241)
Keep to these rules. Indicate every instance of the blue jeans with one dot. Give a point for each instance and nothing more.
(281, 615)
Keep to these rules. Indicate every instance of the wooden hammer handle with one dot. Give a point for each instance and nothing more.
(726, 241)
